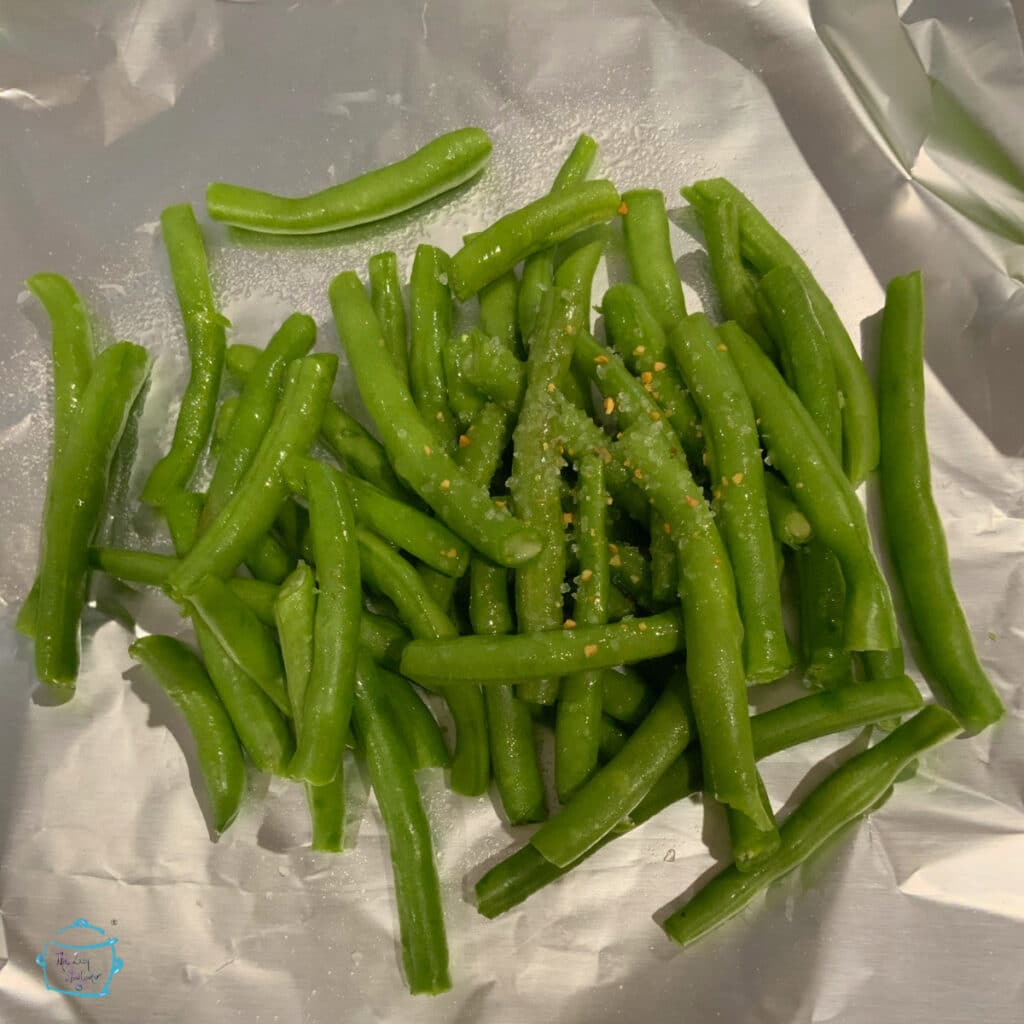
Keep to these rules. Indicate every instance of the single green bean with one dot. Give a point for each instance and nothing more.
(442, 164)
(430, 314)
(498, 304)
(459, 502)
(558, 652)
(75, 496)
(251, 510)
(612, 739)
(913, 526)
(739, 495)
(223, 423)
(789, 524)
(578, 715)
(539, 225)
(526, 871)
(491, 370)
(750, 845)
(736, 290)
(765, 248)
(464, 400)
(182, 677)
(417, 891)
(383, 639)
(205, 338)
(483, 444)
(649, 251)
(388, 304)
(618, 786)
(328, 702)
(797, 448)
(846, 795)
(625, 695)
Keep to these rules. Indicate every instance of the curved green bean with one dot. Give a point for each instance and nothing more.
(205, 338)
(75, 497)
(439, 166)
(913, 526)
(414, 721)
(182, 677)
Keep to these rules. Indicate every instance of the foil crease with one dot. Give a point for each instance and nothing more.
(881, 135)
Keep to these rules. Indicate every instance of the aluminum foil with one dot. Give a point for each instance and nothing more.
(882, 135)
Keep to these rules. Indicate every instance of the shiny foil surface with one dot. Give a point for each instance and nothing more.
(880, 135)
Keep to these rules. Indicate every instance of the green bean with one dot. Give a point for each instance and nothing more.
(554, 652)
(252, 508)
(631, 572)
(498, 304)
(417, 891)
(578, 716)
(414, 720)
(796, 447)
(260, 726)
(739, 496)
(509, 722)
(442, 164)
(750, 845)
(295, 613)
(625, 695)
(645, 227)
(291, 525)
(344, 435)
(789, 524)
(430, 313)
(736, 291)
(328, 702)
(75, 497)
(611, 739)
(539, 268)
(821, 607)
(618, 786)
(259, 398)
(459, 502)
(846, 795)
(386, 571)
(765, 248)
(223, 423)
(636, 335)
(204, 336)
(539, 225)
(536, 460)
(244, 638)
(913, 526)
(388, 304)
(182, 677)
(526, 871)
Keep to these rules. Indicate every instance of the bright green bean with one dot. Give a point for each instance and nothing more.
(205, 338)
(913, 526)
(789, 524)
(182, 677)
(441, 165)
(645, 227)
(414, 720)
(388, 304)
(75, 496)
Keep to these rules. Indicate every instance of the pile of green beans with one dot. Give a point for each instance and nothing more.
(542, 528)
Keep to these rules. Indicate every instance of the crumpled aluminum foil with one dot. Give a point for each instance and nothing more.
(882, 135)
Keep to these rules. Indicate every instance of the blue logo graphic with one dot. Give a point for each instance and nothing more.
(80, 961)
